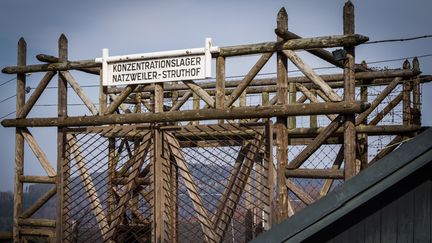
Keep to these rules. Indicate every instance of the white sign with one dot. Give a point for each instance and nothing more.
(157, 70)
(157, 66)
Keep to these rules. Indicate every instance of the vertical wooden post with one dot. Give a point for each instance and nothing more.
(416, 93)
(102, 89)
(362, 138)
(220, 84)
(242, 102)
(349, 94)
(160, 178)
(62, 163)
(313, 119)
(19, 142)
(269, 217)
(195, 105)
(281, 124)
(406, 100)
(111, 173)
(292, 100)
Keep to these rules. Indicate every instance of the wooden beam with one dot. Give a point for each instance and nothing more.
(120, 98)
(406, 100)
(280, 126)
(312, 97)
(40, 155)
(19, 142)
(416, 94)
(39, 203)
(139, 156)
(63, 165)
(38, 179)
(200, 92)
(308, 72)
(192, 115)
(383, 77)
(349, 95)
(392, 104)
(191, 188)
(336, 166)
(38, 222)
(363, 116)
(53, 59)
(392, 145)
(36, 94)
(311, 148)
(315, 173)
(295, 44)
(238, 187)
(302, 195)
(321, 53)
(181, 101)
(247, 79)
(220, 84)
(88, 184)
(79, 91)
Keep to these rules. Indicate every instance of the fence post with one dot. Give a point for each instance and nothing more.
(19, 142)
(281, 124)
(62, 163)
(349, 94)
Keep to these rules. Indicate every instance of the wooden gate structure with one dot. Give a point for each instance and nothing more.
(142, 168)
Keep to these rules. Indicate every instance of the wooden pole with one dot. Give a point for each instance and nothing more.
(269, 175)
(62, 161)
(160, 175)
(362, 138)
(195, 115)
(416, 93)
(281, 125)
(220, 84)
(406, 101)
(295, 44)
(36, 94)
(19, 143)
(349, 94)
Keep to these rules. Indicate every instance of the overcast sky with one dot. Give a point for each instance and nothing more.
(127, 27)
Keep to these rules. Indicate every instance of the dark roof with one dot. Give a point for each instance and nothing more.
(403, 162)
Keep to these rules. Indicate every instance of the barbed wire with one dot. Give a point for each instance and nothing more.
(398, 40)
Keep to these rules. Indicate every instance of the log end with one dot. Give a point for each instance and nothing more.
(7, 70)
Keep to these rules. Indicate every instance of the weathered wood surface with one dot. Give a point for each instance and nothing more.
(120, 98)
(39, 202)
(36, 94)
(336, 166)
(19, 142)
(281, 124)
(308, 72)
(349, 94)
(315, 173)
(363, 116)
(192, 115)
(140, 153)
(302, 195)
(202, 214)
(37, 222)
(295, 44)
(38, 179)
(247, 79)
(53, 59)
(200, 92)
(87, 181)
(39, 153)
(311, 148)
(80, 92)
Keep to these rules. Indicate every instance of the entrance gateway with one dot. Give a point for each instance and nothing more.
(177, 65)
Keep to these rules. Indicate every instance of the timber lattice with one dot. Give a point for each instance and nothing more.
(211, 161)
